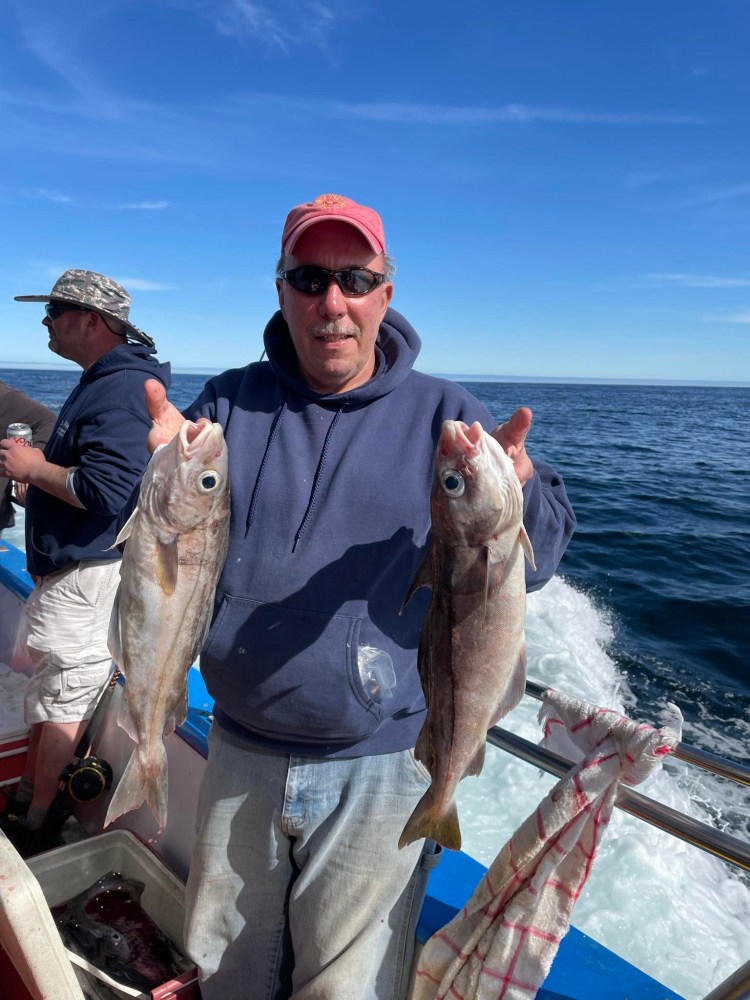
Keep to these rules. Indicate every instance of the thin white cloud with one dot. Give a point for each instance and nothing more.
(426, 114)
(54, 269)
(396, 113)
(48, 268)
(719, 195)
(56, 198)
(144, 285)
(743, 316)
(701, 280)
(282, 25)
(240, 19)
(145, 206)
(42, 194)
(42, 36)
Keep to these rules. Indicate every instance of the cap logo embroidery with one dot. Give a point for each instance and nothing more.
(330, 201)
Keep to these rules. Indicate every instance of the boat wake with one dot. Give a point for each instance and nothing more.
(678, 913)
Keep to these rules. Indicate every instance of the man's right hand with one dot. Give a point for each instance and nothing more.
(166, 418)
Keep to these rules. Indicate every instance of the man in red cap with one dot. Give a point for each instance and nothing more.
(297, 887)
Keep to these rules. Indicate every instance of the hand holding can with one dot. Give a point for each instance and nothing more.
(23, 435)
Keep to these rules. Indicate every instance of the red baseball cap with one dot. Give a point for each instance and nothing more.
(336, 208)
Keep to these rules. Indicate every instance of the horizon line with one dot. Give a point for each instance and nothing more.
(453, 377)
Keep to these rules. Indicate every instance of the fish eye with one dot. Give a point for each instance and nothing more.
(208, 481)
(452, 483)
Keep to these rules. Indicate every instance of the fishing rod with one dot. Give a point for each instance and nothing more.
(83, 780)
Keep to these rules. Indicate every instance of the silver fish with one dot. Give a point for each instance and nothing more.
(472, 651)
(176, 545)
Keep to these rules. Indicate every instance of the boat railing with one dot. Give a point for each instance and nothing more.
(692, 831)
(678, 824)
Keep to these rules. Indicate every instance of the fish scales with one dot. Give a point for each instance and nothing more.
(176, 546)
(472, 651)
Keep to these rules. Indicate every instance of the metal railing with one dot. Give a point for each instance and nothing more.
(692, 831)
(683, 751)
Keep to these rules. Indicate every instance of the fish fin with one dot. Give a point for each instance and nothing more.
(422, 578)
(487, 577)
(166, 565)
(429, 820)
(423, 750)
(526, 546)
(424, 660)
(178, 714)
(114, 639)
(515, 688)
(125, 718)
(475, 767)
(126, 530)
(143, 780)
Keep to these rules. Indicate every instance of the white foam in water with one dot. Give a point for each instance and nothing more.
(15, 535)
(667, 907)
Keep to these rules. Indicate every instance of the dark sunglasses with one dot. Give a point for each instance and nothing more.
(55, 309)
(313, 280)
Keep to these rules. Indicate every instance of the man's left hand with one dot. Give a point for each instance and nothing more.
(511, 436)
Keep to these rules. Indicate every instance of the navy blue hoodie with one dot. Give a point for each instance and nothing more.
(330, 518)
(101, 429)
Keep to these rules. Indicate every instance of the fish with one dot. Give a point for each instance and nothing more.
(106, 925)
(175, 546)
(472, 649)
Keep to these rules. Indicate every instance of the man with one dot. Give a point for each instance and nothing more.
(15, 408)
(296, 886)
(76, 489)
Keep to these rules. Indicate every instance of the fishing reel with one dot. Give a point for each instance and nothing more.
(87, 779)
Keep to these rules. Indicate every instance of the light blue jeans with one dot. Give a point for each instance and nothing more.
(297, 887)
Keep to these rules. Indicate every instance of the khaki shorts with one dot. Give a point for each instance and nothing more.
(67, 623)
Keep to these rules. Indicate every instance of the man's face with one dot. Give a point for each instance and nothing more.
(66, 333)
(334, 334)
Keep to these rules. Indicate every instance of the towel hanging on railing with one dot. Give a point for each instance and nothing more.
(501, 945)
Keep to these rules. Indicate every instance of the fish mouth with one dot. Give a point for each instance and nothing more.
(462, 445)
(195, 437)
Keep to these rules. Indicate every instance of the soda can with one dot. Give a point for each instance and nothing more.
(21, 433)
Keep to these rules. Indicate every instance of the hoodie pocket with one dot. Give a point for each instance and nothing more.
(284, 672)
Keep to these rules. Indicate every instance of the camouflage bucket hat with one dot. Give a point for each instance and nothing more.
(100, 294)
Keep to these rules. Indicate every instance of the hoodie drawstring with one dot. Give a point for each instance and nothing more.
(316, 480)
(261, 472)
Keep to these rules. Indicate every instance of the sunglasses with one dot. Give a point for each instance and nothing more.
(313, 280)
(55, 309)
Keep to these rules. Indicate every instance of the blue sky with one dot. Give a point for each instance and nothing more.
(565, 184)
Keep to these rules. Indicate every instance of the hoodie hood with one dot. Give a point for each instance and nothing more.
(128, 357)
(396, 350)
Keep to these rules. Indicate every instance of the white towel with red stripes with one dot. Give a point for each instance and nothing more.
(501, 945)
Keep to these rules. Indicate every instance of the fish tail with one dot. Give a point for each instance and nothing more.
(433, 820)
(143, 780)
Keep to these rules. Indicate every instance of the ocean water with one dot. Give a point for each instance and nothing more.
(651, 605)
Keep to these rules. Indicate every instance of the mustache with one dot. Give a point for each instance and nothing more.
(334, 329)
